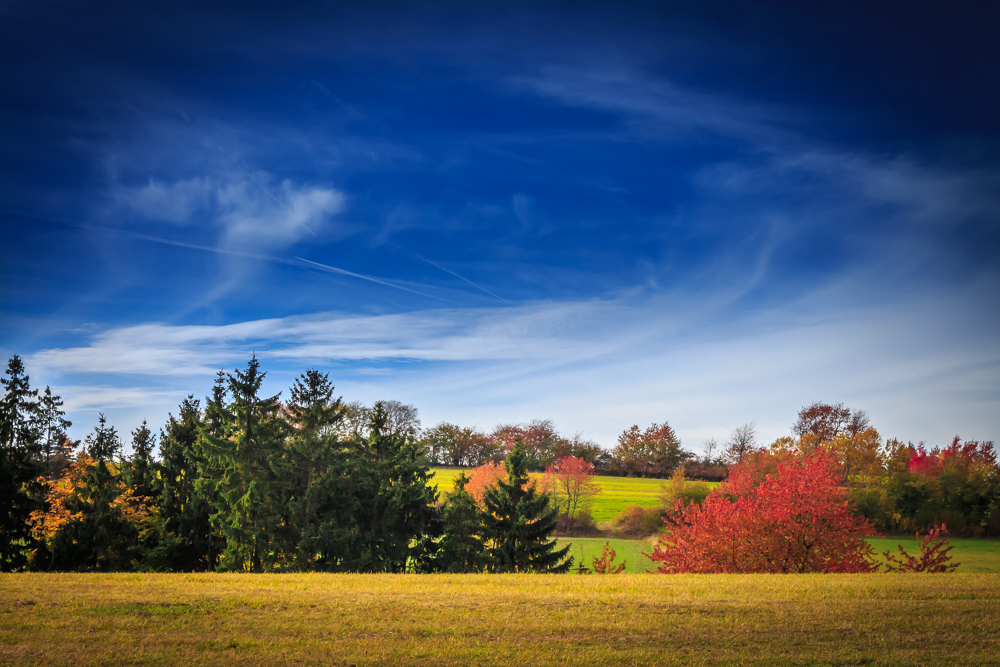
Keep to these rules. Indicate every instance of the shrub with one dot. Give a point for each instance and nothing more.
(933, 555)
(797, 520)
(639, 521)
(606, 563)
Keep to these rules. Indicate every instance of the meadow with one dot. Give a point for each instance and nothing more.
(215, 619)
(974, 556)
(616, 493)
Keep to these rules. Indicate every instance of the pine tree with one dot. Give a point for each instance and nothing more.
(248, 510)
(141, 468)
(462, 547)
(213, 450)
(19, 465)
(184, 511)
(311, 475)
(103, 533)
(519, 522)
(52, 427)
(397, 520)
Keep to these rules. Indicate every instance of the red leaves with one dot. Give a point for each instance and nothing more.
(933, 555)
(605, 564)
(796, 520)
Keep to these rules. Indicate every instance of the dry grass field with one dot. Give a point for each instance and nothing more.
(212, 619)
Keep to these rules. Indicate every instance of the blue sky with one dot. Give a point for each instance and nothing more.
(706, 213)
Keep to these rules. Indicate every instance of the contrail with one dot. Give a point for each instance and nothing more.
(478, 287)
(344, 272)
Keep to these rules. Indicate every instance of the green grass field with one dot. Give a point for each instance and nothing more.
(974, 556)
(212, 619)
(616, 492)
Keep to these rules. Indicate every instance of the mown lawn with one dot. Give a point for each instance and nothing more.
(211, 619)
(616, 494)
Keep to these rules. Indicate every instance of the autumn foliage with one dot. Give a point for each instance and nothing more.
(606, 563)
(483, 478)
(795, 520)
(933, 555)
(570, 483)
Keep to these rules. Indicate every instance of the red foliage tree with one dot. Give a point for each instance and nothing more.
(797, 520)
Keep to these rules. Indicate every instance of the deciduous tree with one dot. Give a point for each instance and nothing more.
(798, 520)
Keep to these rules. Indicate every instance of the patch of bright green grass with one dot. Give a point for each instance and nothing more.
(881, 619)
(616, 494)
(972, 554)
(585, 549)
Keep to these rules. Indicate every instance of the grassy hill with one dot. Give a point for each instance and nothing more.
(213, 619)
(616, 492)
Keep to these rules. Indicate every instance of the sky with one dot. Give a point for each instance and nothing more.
(603, 214)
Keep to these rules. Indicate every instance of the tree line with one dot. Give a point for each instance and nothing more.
(250, 483)
(246, 482)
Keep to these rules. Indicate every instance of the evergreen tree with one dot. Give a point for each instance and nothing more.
(397, 520)
(141, 468)
(311, 476)
(52, 427)
(462, 547)
(184, 511)
(248, 510)
(103, 532)
(213, 452)
(19, 464)
(519, 522)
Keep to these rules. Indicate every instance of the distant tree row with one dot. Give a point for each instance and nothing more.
(251, 483)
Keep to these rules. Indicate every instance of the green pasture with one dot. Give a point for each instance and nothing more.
(974, 556)
(616, 494)
(316, 619)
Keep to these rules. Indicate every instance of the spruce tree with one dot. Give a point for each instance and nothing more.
(141, 468)
(184, 511)
(101, 538)
(519, 522)
(52, 428)
(397, 520)
(312, 476)
(462, 547)
(248, 509)
(19, 464)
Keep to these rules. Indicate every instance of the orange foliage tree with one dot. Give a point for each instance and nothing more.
(796, 520)
(570, 483)
(484, 477)
(93, 520)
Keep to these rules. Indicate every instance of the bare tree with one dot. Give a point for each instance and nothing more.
(711, 450)
(402, 419)
(742, 442)
(828, 421)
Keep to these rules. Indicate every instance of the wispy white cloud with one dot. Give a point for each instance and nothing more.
(598, 366)
(656, 106)
(248, 210)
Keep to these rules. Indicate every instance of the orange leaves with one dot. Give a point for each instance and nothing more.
(483, 478)
(69, 496)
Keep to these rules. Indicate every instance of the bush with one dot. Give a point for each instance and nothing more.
(639, 521)
(582, 525)
(798, 520)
